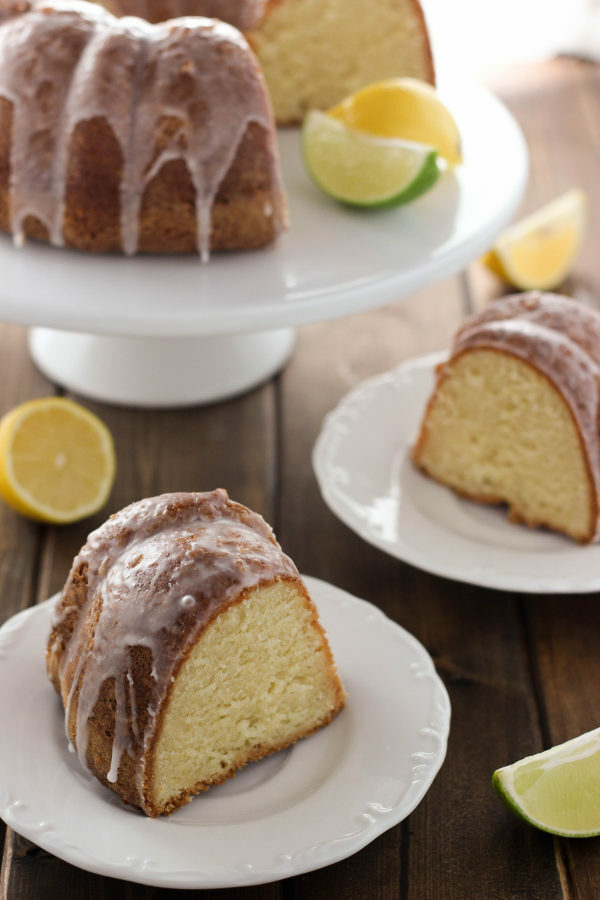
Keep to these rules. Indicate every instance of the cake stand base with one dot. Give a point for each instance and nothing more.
(159, 372)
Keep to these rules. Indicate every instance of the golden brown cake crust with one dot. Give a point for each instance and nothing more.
(154, 138)
(141, 592)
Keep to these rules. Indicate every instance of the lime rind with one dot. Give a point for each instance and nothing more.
(364, 170)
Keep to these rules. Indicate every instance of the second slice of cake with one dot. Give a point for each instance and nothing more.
(514, 414)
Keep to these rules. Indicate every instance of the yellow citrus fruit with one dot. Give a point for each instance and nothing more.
(57, 460)
(539, 251)
(557, 790)
(403, 108)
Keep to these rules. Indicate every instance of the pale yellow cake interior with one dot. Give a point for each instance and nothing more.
(260, 676)
(315, 54)
(498, 430)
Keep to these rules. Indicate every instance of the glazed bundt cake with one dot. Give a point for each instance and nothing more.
(120, 136)
(184, 646)
(315, 52)
(514, 414)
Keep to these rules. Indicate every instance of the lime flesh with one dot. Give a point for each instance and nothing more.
(362, 169)
(557, 790)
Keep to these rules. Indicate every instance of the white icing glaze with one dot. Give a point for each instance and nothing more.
(243, 14)
(157, 573)
(65, 62)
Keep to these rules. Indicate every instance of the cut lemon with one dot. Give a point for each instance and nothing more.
(403, 108)
(557, 790)
(364, 170)
(57, 460)
(539, 251)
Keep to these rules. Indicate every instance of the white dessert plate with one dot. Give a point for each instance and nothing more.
(363, 467)
(303, 808)
(334, 261)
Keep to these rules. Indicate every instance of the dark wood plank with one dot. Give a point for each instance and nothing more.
(19, 538)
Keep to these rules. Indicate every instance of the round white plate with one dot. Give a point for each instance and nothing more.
(362, 463)
(334, 261)
(303, 808)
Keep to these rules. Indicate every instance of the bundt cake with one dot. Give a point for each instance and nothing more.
(121, 136)
(184, 646)
(315, 52)
(514, 414)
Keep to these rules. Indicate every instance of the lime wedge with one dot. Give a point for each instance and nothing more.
(363, 169)
(557, 790)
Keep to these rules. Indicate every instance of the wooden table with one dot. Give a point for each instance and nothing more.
(523, 672)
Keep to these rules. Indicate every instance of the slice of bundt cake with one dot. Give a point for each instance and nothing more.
(120, 136)
(184, 646)
(314, 53)
(514, 414)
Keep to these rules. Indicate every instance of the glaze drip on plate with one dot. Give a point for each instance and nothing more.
(156, 574)
(187, 89)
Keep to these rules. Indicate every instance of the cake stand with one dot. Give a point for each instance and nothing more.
(169, 330)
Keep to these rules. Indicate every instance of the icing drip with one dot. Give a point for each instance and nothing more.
(186, 90)
(157, 573)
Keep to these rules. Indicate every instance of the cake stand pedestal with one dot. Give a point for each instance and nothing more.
(159, 372)
(169, 331)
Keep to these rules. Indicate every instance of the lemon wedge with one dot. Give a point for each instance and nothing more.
(557, 790)
(57, 460)
(364, 170)
(403, 108)
(539, 251)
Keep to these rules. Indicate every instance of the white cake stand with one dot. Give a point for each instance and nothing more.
(167, 331)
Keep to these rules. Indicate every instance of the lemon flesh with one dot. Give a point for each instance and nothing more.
(57, 460)
(364, 170)
(403, 108)
(557, 790)
(539, 251)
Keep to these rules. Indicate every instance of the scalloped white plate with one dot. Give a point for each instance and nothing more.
(362, 463)
(303, 808)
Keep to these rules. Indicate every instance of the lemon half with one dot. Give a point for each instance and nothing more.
(57, 460)
(539, 251)
(557, 790)
(403, 108)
